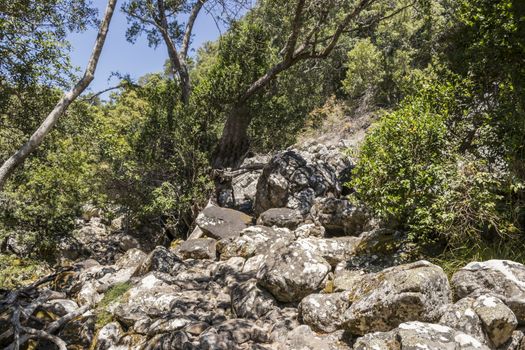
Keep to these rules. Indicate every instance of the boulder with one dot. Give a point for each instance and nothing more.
(108, 336)
(347, 279)
(253, 240)
(161, 260)
(498, 320)
(309, 230)
(333, 250)
(199, 248)
(339, 216)
(178, 340)
(504, 279)
(291, 273)
(132, 258)
(302, 337)
(220, 223)
(150, 297)
(324, 312)
(462, 317)
(238, 192)
(293, 179)
(281, 217)
(250, 301)
(412, 292)
(419, 336)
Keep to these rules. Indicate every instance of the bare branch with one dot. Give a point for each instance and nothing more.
(189, 27)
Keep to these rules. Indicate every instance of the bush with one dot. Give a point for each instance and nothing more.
(411, 172)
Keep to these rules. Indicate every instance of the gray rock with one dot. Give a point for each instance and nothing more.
(462, 317)
(293, 179)
(108, 336)
(60, 307)
(254, 264)
(304, 338)
(347, 279)
(253, 240)
(516, 341)
(309, 230)
(161, 260)
(281, 217)
(333, 250)
(199, 248)
(196, 233)
(132, 258)
(178, 340)
(222, 223)
(291, 273)
(411, 292)
(324, 312)
(502, 278)
(339, 216)
(419, 336)
(498, 320)
(250, 301)
(150, 297)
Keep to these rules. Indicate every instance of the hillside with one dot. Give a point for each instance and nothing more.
(262, 174)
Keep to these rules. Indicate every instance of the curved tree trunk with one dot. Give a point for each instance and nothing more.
(38, 136)
(234, 141)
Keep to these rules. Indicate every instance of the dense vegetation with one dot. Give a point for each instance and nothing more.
(446, 80)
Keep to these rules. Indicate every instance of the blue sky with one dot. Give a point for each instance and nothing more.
(123, 57)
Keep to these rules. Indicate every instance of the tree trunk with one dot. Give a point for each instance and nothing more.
(234, 141)
(38, 136)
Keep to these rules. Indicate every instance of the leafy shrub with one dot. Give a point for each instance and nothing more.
(412, 173)
(364, 68)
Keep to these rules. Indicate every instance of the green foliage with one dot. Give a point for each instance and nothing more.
(365, 70)
(43, 198)
(17, 272)
(112, 295)
(453, 259)
(32, 46)
(154, 154)
(387, 57)
(411, 172)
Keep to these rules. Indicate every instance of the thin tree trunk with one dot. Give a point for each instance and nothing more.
(234, 142)
(38, 136)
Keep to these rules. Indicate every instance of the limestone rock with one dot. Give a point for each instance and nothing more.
(333, 250)
(339, 216)
(199, 248)
(498, 320)
(502, 278)
(108, 336)
(132, 258)
(411, 292)
(253, 240)
(291, 273)
(149, 297)
(222, 223)
(250, 301)
(324, 312)
(292, 179)
(303, 337)
(281, 217)
(462, 317)
(347, 279)
(419, 336)
(309, 230)
(161, 260)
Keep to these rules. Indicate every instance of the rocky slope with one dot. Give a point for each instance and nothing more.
(281, 261)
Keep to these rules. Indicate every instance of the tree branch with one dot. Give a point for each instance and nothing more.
(189, 27)
(38, 136)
